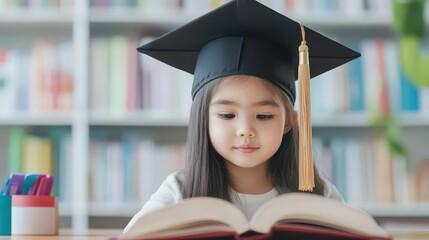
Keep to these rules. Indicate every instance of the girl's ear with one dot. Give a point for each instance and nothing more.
(288, 125)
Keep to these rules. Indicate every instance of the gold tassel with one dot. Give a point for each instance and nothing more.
(306, 165)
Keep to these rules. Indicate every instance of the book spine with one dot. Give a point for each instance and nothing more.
(117, 74)
(15, 149)
(129, 169)
(356, 87)
(37, 155)
(409, 94)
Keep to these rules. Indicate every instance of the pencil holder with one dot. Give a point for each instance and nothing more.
(5, 215)
(34, 215)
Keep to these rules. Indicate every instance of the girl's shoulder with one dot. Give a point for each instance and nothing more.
(175, 179)
(331, 191)
(170, 190)
(168, 193)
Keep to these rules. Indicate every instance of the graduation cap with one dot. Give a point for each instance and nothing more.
(247, 38)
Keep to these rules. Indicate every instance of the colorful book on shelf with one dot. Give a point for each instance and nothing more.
(391, 56)
(383, 175)
(339, 165)
(99, 75)
(37, 155)
(65, 72)
(117, 78)
(410, 95)
(16, 138)
(56, 136)
(289, 216)
(355, 84)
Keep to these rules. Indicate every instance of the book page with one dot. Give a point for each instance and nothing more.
(314, 209)
(190, 214)
(205, 227)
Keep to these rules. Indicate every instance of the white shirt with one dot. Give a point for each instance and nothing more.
(169, 193)
(249, 203)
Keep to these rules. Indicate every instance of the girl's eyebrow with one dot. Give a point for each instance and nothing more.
(267, 102)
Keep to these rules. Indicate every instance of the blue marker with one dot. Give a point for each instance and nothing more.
(35, 186)
(29, 181)
(5, 186)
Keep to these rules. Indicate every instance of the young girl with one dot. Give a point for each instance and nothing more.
(242, 143)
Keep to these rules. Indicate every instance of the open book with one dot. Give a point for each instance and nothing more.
(295, 215)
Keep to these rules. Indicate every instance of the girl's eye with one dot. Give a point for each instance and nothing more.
(264, 117)
(226, 115)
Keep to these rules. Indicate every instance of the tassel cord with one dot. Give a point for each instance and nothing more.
(306, 164)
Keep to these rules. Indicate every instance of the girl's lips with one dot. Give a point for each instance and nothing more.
(246, 149)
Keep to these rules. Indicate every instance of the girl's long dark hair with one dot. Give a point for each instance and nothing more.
(205, 171)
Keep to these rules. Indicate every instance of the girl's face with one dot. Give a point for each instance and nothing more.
(247, 120)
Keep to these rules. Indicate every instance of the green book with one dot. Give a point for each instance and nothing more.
(15, 149)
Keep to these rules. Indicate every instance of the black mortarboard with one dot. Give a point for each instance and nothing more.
(245, 37)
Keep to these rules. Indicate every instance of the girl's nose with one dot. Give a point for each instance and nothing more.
(246, 131)
(247, 134)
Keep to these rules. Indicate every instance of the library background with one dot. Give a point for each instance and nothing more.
(78, 101)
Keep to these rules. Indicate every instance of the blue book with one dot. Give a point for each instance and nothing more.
(356, 87)
(128, 145)
(339, 166)
(410, 94)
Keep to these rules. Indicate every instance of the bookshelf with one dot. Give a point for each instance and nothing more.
(80, 23)
(36, 120)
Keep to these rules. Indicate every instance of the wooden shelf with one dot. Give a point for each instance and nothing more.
(101, 209)
(37, 15)
(163, 20)
(174, 18)
(17, 19)
(167, 19)
(362, 120)
(395, 210)
(121, 209)
(136, 20)
(25, 119)
(137, 119)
